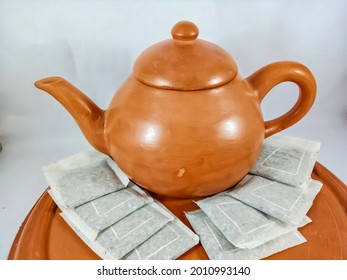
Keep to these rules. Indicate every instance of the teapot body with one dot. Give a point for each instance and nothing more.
(184, 143)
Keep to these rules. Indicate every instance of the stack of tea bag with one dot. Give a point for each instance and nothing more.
(260, 215)
(112, 215)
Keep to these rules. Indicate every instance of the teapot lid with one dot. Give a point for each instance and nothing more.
(185, 62)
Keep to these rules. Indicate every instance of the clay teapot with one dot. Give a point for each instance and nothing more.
(185, 123)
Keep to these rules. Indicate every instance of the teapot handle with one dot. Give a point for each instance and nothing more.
(273, 74)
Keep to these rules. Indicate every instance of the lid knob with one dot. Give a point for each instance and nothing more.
(184, 31)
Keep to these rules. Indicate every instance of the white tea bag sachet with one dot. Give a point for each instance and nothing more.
(287, 203)
(243, 225)
(95, 216)
(109, 209)
(288, 160)
(170, 242)
(83, 177)
(218, 247)
(125, 235)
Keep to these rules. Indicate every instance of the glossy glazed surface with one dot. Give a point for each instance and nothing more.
(185, 124)
(45, 235)
(184, 143)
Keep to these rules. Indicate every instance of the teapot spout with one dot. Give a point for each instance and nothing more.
(89, 117)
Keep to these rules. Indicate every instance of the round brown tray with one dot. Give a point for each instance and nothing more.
(45, 235)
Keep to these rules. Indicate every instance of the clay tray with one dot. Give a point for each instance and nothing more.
(45, 235)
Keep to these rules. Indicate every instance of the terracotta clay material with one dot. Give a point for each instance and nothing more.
(45, 235)
(185, 123)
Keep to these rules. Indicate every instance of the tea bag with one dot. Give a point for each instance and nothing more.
(287, 203)
(95, 216)
(83, 177)
(218, 247)
(243, 225)
(106, 210)
(169, 243)
(288, 160)
(125, 235)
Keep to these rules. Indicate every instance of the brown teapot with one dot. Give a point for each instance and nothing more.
(185, 123)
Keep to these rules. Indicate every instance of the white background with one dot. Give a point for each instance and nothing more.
(93, 44)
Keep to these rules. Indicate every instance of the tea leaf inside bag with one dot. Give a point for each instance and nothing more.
(218, 247)
(287, 203)
(288, 160)
(243, 225)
